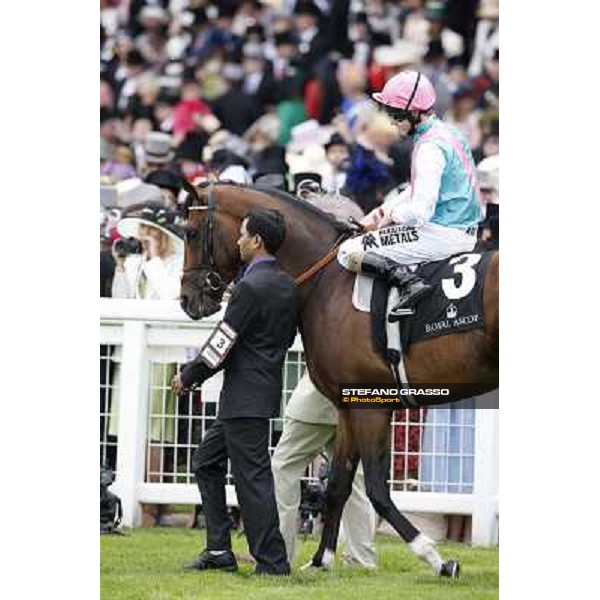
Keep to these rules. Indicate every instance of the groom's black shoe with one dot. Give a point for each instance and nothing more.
(221, 562)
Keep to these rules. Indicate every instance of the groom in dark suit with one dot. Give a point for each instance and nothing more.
(250, 344)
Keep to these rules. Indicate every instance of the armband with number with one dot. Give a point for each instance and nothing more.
(218, 345)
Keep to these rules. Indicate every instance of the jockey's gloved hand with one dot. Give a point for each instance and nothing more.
(357, 226)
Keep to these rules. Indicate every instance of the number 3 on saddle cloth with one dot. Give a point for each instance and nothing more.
(455, 304)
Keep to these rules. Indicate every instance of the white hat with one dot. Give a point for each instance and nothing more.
(153, 12)
(310, 159)
(402, 53)
(488, 172)
(237, 174)
(309, 133)
(154, 216)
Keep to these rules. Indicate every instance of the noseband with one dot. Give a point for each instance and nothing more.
(207, 263)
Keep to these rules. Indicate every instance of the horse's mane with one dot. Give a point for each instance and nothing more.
(293, 201)
(340, 207)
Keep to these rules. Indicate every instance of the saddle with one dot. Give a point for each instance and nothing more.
(455, 305)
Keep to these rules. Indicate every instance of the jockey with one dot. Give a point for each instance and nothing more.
(433, 218)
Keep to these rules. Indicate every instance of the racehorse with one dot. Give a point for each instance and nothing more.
(336, 338)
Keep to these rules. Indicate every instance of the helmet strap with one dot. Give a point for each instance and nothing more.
(414, 121)
(407, 107)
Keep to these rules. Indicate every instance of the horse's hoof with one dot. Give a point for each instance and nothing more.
(451, 569)
(311, 566)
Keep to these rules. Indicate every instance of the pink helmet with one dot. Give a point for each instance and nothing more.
(408, 90)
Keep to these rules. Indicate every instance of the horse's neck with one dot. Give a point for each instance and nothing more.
(303, 248)
(307, 239)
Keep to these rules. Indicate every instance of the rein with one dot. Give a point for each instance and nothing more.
(322, 262)
(327, 258)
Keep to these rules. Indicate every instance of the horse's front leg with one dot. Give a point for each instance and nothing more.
(339, 488)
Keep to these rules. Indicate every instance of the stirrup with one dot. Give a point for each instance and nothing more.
(397, 313)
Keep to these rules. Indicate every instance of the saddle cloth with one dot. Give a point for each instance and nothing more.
(455, 304)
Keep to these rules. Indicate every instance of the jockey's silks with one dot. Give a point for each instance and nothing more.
(459, 201)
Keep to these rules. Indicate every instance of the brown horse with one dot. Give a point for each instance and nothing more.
(337, 340)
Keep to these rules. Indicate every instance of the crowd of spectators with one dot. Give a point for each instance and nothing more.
(268, 91)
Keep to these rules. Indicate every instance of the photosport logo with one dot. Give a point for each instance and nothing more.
(370, 396)
(374, 395)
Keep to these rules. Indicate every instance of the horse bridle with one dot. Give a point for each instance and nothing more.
(214, 279)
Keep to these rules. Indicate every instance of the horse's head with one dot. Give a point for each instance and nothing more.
(211, 254)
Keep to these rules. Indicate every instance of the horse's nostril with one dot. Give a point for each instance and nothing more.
(183, 302)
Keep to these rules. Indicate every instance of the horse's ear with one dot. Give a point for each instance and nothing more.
(192, 197)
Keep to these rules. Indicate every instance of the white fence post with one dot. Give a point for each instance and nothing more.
(133, 407)
(485, 484)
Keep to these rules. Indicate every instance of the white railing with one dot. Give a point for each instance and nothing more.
(137, 326)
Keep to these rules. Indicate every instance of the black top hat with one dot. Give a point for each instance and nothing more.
(285, 37)
(435, 50)
(301, 179)
(305, 7)
(359, 17)
(271, 160)
(134, 58)
(255, 30)
(223, 158)
(226, 9)
(335, 140)
(164, 179)
(190, 147)
(199, 15)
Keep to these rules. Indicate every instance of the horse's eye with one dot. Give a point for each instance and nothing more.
(190, 235)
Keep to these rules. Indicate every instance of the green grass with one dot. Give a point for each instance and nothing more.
(146, 564)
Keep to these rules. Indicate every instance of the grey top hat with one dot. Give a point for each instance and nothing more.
(133, 191)
(157, 147)
(275, 180)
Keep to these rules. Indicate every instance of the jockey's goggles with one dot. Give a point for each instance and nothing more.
(398, 114)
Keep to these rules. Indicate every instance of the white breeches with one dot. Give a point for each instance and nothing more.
(407, 245)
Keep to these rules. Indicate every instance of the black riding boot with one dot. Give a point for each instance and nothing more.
(411, 287)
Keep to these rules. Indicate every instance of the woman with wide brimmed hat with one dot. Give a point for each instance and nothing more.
(151, 271)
